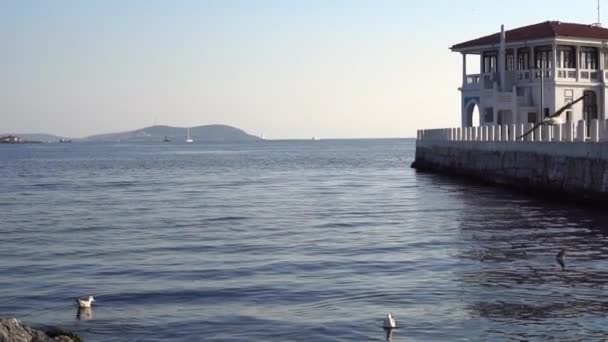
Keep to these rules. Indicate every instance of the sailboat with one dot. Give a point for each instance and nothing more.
(189, 140)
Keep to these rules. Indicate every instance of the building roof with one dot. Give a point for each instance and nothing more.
(547, 29)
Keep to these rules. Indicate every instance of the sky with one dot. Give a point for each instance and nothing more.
(281, 68)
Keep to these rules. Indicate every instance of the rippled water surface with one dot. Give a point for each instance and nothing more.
(288, 241)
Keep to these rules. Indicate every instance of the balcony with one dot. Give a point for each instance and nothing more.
(589, 76)
(566, 74)
(472, 82)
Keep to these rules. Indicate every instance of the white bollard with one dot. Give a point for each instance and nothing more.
(484, 133)
(538, 134)
(519, 131)
(504, 134)
(512, 133)
(546, 129)
(530, 135)
(569, 134)
(473, 133)
(491, 132)
(580, 131)
(594, 131)
(557, 133)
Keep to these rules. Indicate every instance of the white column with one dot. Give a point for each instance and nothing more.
(594, 131)
(512, 133)
(546, 132)
(538, 134)
(491, 132)
(557, 133)
(519, 131)
(531, 63)
(569, 131)
(580, 130)
(530, 136)
(464, 69)
(554, 62)
(578, 61)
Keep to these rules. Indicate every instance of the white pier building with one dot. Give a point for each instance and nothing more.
(566, 60)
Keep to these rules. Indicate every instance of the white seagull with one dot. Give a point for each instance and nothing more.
(85, 302)
(389, 322)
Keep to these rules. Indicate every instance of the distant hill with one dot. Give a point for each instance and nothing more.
(38, 137)
(208, 133)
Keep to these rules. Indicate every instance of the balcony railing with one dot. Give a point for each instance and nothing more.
(473, 79)
(589, 76)
(593, 131)
(566, 74)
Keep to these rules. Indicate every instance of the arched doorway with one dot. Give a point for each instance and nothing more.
(589, 108)
(472, 115)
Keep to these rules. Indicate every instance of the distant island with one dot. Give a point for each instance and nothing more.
(167, 134)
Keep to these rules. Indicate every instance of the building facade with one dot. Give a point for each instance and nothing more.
(529, 72)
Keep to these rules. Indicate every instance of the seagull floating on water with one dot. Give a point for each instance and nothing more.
(389, 322)
(560, 258)
(85, 302)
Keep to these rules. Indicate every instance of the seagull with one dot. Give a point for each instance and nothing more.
(389, 322)
(85, 302)
(560, 258)
(552, 119)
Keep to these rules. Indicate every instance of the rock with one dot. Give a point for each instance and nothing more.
(12, 330)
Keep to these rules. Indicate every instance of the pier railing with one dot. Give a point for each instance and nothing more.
(594, 131)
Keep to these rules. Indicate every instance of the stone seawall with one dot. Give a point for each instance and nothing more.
(579, 169)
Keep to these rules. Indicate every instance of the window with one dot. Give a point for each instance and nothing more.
(543, 57)
(568, 115)
(489, 61)
(588, 58)
(547, 113)
(510, 60)
(489, 117)
(566, 57)
(531, 117)
(523, 58)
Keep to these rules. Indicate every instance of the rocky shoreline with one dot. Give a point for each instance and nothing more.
(13, 330)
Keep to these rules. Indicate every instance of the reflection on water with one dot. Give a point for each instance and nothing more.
(84, 314)
(294, 241)
(513, 275)
(389, 333)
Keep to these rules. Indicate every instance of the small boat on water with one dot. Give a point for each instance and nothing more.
(63, 140)
(166, 139)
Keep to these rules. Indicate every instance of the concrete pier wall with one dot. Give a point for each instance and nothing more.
(570, 168)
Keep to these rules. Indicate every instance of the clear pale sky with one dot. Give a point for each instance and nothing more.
(284, 68)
